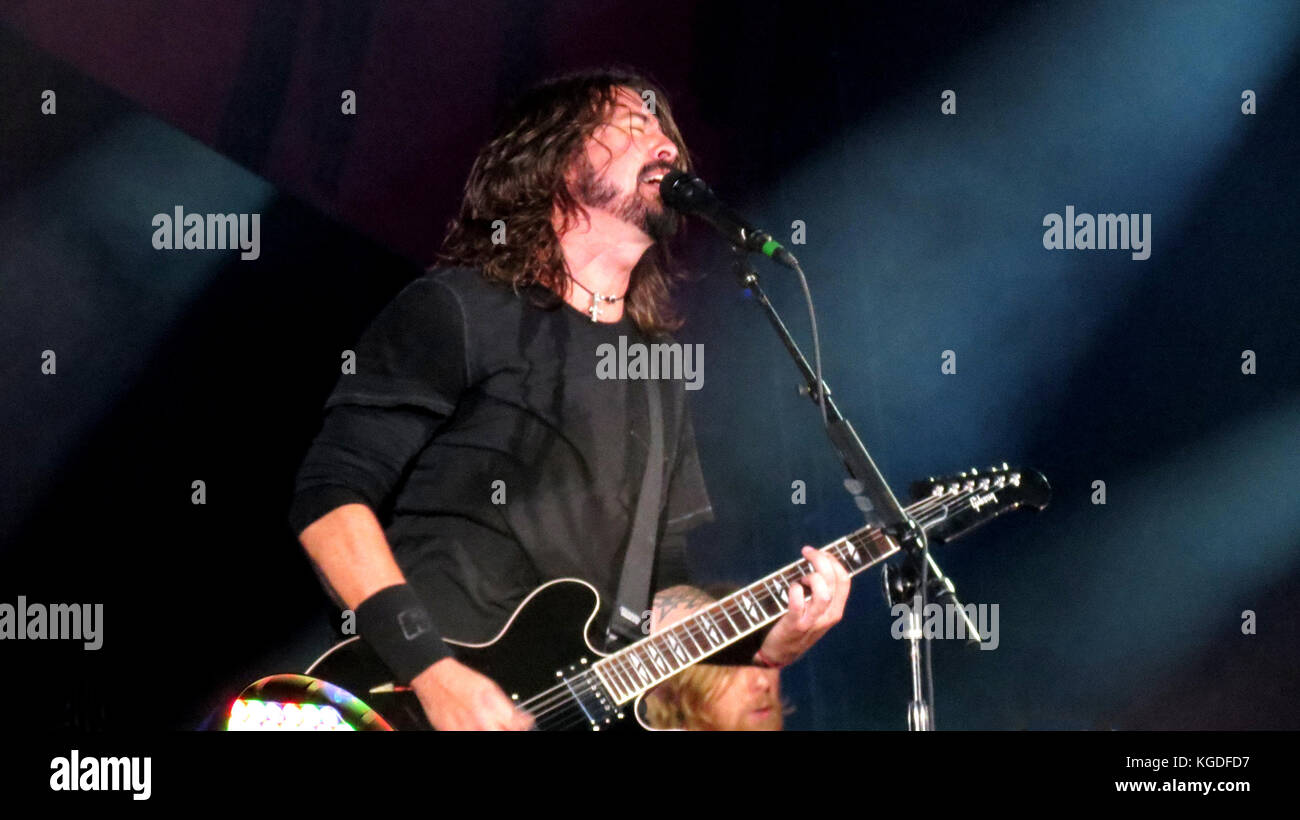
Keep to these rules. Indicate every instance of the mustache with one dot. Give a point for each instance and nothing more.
(658, 165)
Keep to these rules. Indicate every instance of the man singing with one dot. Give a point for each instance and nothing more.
(475, 454)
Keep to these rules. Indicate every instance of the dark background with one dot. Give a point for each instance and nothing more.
(924, 234)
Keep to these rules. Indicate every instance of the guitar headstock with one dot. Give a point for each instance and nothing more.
(956, 504)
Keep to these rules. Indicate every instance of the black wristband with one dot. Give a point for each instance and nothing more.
(400, 630)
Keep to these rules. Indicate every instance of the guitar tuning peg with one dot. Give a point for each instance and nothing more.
(974, 471)
(1005, 466)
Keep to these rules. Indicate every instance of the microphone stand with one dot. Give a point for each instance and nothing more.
(919, 570)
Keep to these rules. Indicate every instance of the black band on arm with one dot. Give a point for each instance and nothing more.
(401, 631)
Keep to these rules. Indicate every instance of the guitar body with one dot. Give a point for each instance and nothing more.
(545, 643)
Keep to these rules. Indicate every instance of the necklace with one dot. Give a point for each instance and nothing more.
(596, 299)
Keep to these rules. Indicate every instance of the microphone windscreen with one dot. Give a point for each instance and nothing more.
(684, 192)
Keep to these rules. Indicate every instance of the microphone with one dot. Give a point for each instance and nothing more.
(688, 194)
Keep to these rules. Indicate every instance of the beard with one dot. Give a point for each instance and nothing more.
(655, 219)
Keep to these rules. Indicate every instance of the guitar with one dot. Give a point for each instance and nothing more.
(545, 659)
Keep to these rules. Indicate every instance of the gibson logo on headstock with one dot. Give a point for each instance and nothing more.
(978, 501)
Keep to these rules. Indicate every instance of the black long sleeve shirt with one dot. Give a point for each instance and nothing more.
(477, 427)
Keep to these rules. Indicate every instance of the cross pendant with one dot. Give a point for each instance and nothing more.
(595, 307)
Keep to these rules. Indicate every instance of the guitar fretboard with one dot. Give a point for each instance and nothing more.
(650, 661)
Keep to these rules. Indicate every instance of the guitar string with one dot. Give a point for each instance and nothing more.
(540, 705)
(563, 704)
(546, 703)
(571, 711)
(918, 509)
(623, 671)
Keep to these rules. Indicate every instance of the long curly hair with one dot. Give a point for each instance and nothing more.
(519, 177)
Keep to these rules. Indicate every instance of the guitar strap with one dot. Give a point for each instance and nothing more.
(638, 560)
